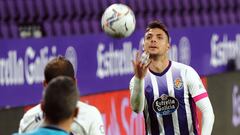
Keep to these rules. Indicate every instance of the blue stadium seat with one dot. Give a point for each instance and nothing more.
(168, 20)
(140, 22)
(214, 4)
(41, 10)
(14, 30)
(223, 4)
(48, 28)
(160, 6)
(58, 29)
(51, 9)
(223, 17)
(87, 28)
(177, 20)
(4, 14)
(23, 14)
(67, 28)
(31, 9)
(204, 4)
(141, 6)
(60, 9)
(196, 19)
(78, 8)
(230, 3)
(95, 20)
(186, 5)
(87, 8)
(104, 4)
(5, 32)
(231, 16)
(151, 6)
(96, 26)
(70, 11)
(1, 36)
(12, 9)
(77, 27)
(132, 4)
(169, 6)
(187, 19)
(177, 4)
(237, 14)
(114, 1)
(214, 18)
(95, 5)
(205, 18)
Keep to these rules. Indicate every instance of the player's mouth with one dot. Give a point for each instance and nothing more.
(152, 47)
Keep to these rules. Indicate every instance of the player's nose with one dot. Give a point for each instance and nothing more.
(153, 39)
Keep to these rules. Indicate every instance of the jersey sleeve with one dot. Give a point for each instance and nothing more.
(137, 97)
(202, 101)
(97, 126)
(23, 123)
(195, 85)
(32, 119)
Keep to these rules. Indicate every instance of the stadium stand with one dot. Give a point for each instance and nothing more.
(37, 18)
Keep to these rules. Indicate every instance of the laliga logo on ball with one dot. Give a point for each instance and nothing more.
(118, 21)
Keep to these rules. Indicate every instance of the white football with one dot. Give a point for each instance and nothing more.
(118, 21)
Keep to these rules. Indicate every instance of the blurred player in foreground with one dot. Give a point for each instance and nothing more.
(88, 120)
(59, 105)
(168, 92)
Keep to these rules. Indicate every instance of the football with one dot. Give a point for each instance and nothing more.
(118, 21)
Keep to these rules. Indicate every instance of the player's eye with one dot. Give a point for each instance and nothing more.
(148, 37)
(160, 37)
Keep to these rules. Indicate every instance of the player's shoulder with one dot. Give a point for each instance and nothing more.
(86, 108)
(33, 111)
(178, 64)
(31, 119)
(181, 66)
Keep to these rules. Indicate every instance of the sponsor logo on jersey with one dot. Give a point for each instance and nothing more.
(165, 105)
(101, 127)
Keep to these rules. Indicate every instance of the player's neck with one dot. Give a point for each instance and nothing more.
(64, 125)
(159, 65)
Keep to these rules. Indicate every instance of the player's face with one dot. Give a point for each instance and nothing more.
(156, 42)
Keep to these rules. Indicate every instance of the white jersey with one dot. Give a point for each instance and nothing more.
(170, 101)
(88, 121)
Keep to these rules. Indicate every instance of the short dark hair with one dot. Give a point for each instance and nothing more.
(158, 24)
(58, 66)
(60, 99)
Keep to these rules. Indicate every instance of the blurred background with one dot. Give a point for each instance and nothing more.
(205, 34)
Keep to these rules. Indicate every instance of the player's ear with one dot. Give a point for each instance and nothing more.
(45, 83)
(42, 105)
(75, 81)
(169, 46)
(76, 112)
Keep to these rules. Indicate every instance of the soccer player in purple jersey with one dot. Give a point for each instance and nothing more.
(168, 92)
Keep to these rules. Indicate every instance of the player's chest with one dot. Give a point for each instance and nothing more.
(173, 86)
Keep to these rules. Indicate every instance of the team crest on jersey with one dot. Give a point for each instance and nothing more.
(178, 83)
(165, 105)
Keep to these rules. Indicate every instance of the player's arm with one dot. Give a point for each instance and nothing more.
(136, 94)
(97, 126)
(202, 101)
(205, 107)
(136, 86)
(26, 121)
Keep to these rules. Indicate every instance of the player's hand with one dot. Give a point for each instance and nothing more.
(140, 67)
